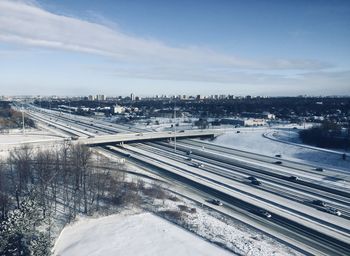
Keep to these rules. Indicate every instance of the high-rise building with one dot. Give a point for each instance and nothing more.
(132, 97)
(199, 97)
(100, 97)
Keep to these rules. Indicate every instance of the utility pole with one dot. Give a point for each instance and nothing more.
(175, 126)
(24, 131)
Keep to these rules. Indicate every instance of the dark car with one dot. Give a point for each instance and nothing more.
(293, 178)
(189, 152)
(216, 202)
(238, 131)
(278, 155)
(198, 165)
(334, 211)
(319, 169)
(278, 162)
(256, 182)
(264, 213)
(319, 203)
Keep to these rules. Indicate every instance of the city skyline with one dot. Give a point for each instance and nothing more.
(266, 48)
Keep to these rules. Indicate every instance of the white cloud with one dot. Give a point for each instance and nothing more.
(25, 23)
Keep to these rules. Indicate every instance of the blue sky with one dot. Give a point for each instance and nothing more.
(153, 47)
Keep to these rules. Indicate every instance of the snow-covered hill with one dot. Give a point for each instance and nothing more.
(142, 234)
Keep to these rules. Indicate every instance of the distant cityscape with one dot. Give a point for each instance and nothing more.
(133, 97)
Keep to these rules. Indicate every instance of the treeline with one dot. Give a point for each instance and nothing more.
(38, 188)
(11, 119)
(282, 107)
(327, 135)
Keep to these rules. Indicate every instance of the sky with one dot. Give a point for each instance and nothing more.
(118, 47)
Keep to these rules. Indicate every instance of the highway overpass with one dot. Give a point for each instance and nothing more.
(146, 136)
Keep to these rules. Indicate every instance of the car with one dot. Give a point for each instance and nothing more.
(189, 158)
(256, 182)
(264, 213)
(192, 164)
(216, 202)
(319, 203)
(294, 178)
(319, 169)
(189, 152)
(182, 131)
(334, 211)
(251, 178)
(96, 131)
(278, 155)
(198, 165)
(278, 162)
(238, 131)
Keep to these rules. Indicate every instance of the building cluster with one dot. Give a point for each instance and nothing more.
(98, 97)
(132, 97)
(200, 97)
(249, 119)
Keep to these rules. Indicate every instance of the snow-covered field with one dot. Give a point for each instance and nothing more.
(142, 234)
(39, 138)
(252, 140)
(227, 232)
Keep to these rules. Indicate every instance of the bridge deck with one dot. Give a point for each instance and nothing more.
(146, 136)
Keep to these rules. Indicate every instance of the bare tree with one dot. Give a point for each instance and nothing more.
(21, 169)
(81, 158)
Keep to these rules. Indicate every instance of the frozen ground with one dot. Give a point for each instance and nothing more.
(142, 234)
(252, 140)
(15, 138)
(227, 232)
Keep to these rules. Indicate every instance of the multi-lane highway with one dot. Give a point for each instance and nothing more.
(223, 173)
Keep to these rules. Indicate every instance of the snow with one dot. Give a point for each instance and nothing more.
(252, 140)
(16, 136)
(36, 138)
(228, 232)
(142, 234)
